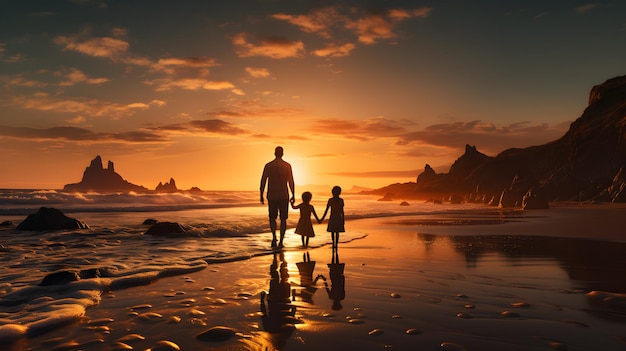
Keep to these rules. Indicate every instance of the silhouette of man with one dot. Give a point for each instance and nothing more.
(279, 178)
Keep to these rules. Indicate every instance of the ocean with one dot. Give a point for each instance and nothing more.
(115, 254)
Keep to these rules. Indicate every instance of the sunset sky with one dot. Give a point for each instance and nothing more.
(357, 92)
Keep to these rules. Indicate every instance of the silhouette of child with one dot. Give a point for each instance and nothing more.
(336, 220)
(305, 226)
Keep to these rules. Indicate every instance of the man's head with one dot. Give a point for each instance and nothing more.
(278, 152)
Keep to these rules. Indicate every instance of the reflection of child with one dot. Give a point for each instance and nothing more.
(305, 227)
(336, 220)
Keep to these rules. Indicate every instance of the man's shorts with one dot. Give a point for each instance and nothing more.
(276, 206)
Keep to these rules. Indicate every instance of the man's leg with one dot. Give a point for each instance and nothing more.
(273, 213)
(284, 213)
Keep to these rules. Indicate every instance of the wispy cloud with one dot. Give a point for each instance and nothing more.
(272, 47)
(585, 8)
(380, 25)
(487, 136)
(97, 47)
(359, 129)
(165, 84)
(76, 134)
(334, 50)
(257, 72)
(74, 76)
(88, 107)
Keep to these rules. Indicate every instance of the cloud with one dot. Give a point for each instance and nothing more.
(257, 72)
(319, 21)
(76, 134)
(21, 81)
(272, 47)
(190, 66)
(369, 27)
(377, 26)
(97, 47)
(88, 107)
(585, 8)
(166, 84)
(364, 130)
(257, 112)
(217, 126)
(486, 136)
(77, 76)
(334, 50)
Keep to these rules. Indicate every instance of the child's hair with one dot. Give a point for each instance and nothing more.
(336, 190)
(307, 196)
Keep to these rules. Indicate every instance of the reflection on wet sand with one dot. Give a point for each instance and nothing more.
(307, 284)
(337, 290)
(278, 313)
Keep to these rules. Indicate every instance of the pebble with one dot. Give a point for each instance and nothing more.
(461, 296)
(396, 316)
(165, 345)
(150, 316)
(376, 332)
(464, 315)
(174, 319)
(519, 304)
(70, 345)
(119, 346)
(196, 312)
(355, 321)
(220, 301)
(141, 307)
(208, 288)
(217, 334)
(509, 314)
(413, 331)
(198, 321)
(469, 306)
(395, 295)
(131, 338)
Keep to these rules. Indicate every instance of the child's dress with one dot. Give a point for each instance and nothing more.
(305, 226)
(336, 220)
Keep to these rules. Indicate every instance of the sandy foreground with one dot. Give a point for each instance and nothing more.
(441, 283)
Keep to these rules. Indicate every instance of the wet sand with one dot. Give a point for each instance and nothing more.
(445, 283)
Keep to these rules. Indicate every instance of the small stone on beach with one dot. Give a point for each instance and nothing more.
(519, 304)
(355, 321)
(150, 316)
(450, 346)
(131, 338)
(120, 346)
(217, 334)
(469, 306)
(509, 314)
(174, 319)
(165, 345)
(376, 332)
(395, 295)
(413, 331)
(464, 315)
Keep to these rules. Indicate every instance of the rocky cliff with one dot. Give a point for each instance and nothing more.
(99, 179)
(587, 164)
(168, 187)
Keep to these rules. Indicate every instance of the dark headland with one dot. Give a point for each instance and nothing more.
(587, 164)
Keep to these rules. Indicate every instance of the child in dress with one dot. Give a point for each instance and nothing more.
(336, 220)
(305, 226)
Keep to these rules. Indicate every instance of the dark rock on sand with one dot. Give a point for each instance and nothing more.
(217, 334)
(60, 278)
(6, 224)
(404, 203)
(166, 229)
(150, 221)
(50, 219)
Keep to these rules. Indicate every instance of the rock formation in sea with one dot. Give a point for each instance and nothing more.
(588, 163)
(99, 179)
(50, 219)
(168, 187)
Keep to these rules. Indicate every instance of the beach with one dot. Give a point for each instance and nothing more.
(445, 280)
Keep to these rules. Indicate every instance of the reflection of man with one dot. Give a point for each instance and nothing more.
(278, 315)
(278, 176)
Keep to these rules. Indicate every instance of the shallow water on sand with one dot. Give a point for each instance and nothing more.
(401, 288)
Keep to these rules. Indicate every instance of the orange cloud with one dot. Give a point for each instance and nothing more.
(165, 84)
(77, 76)
(333, 50)
(89, 107)
(319, 21)
(257, 72)
(96, 47)
(272, 47)
(364, 130)
(75, 134)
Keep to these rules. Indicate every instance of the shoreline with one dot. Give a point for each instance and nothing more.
(405, 287)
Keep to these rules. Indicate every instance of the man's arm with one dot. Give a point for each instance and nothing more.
(263, 181)
(292, 185)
